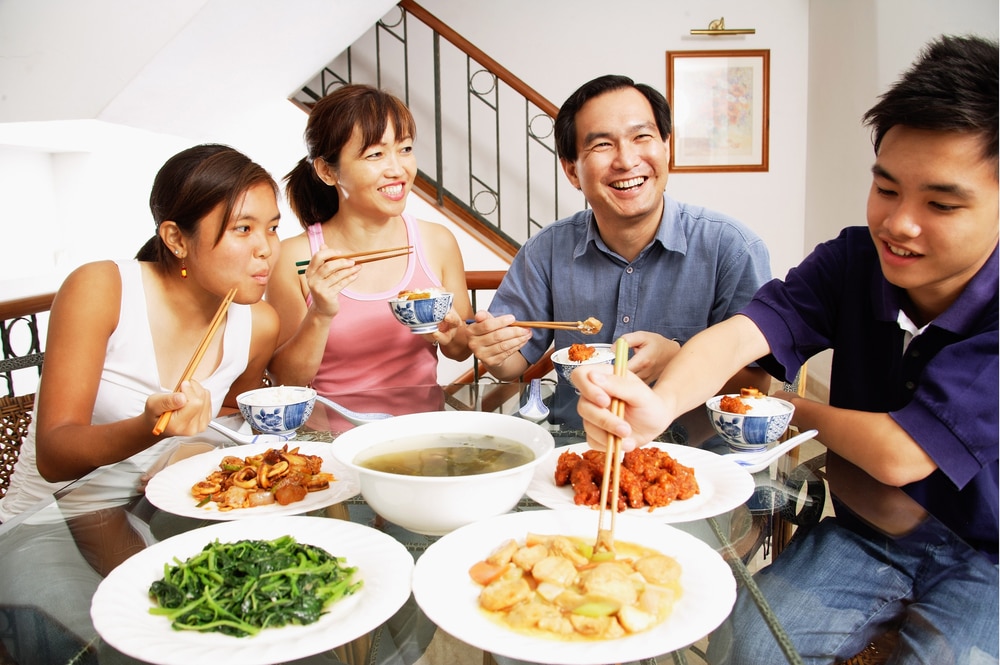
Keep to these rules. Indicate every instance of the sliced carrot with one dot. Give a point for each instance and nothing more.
(484, 572)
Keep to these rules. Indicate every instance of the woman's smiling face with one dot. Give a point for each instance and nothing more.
(376, 179)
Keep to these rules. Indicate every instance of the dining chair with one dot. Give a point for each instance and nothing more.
(15, 416)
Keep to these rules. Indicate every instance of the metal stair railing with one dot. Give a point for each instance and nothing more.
(493, 168)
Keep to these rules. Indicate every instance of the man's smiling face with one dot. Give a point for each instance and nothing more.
(622, 162)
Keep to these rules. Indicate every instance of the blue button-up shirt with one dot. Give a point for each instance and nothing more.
(700, 268)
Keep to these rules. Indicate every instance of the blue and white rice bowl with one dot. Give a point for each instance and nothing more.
(277, 409)
(765, 423)
(422, 315)
(604, 354)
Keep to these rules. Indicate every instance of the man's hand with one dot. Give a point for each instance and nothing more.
(496, 343)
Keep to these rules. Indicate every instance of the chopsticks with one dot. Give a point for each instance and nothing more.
(199, 353)
(369, 256)
(612, 461)
(589, 327)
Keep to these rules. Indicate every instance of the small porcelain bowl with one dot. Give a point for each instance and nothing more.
(604, 354)
(277, 409)
(422, 315)
(765, 423)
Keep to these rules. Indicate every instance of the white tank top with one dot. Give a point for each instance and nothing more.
(129, 376)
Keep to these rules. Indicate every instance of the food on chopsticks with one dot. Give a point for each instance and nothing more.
(650, 478)
(580, 352)
(276, 475)
(243, 587)
(558, 587)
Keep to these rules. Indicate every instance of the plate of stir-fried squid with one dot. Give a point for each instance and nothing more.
(662, 481)
(254, 480)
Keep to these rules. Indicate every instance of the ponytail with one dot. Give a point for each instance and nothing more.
(311, 199)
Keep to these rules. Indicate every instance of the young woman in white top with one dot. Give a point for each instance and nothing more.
(121, 333)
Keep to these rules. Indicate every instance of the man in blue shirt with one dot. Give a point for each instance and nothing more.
(650, 268)
(909, 307)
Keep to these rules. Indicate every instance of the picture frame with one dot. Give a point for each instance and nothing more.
(720, 107)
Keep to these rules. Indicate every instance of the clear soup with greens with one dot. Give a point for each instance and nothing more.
(436, 455)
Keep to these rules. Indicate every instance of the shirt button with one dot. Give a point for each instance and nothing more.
(626, 319)
(910, 385)
(914, 353)
(629, 270)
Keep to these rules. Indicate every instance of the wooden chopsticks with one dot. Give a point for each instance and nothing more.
(588, 327)
(199, 353)
(612, 461)
(369, 256)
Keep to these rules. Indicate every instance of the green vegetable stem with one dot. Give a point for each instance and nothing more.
(243, 587)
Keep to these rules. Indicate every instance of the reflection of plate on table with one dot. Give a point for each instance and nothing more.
(723, 485)
(170, 489)
(120, 608)
(448, 596)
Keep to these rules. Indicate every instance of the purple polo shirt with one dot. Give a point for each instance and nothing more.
(943, 391)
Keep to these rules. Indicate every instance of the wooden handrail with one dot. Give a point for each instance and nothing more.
(12, 309)
(486, 61)
(484, 280)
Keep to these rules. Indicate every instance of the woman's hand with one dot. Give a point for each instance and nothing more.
(447, 329)
(646, 416)
(191, 407)
(326, 278)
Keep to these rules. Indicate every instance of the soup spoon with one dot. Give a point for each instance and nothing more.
(238, 437)
(352, 417)
(534, 408)
(754, 462)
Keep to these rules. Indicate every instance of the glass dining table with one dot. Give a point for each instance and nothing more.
(54, 556)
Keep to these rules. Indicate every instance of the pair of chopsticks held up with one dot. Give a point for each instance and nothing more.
(612, 462)
(364, 257)
(161, 423)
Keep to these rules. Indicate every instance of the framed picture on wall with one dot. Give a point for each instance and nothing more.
(719, 104)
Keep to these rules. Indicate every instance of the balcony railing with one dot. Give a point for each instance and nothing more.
(493, 162)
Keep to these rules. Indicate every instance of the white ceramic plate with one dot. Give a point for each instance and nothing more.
(120, 608)
(723, 485)
(170, 489)
(449, 597)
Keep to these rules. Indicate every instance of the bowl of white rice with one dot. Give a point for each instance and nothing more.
(277, 409)
(763, 421)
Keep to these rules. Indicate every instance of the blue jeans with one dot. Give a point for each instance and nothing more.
(834, 589)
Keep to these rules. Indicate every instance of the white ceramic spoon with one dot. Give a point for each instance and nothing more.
(754, 462)
(238, 437)
(352, 417)
(534, 408)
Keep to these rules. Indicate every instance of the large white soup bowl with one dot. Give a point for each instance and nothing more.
(438, 505)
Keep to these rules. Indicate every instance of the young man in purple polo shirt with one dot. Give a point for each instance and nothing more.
(909, 306)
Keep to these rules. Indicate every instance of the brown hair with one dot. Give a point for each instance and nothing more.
(330, 126)
(191, 184)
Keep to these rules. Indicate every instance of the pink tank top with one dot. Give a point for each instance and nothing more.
(367, 347)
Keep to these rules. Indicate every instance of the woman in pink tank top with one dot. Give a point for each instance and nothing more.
(349, 193)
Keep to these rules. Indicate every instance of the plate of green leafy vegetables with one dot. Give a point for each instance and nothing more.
(265, 590)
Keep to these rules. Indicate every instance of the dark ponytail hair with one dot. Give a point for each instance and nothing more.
(331, 123)
(191, 184)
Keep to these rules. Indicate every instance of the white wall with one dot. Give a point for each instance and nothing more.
(76, 190)
(578, 40)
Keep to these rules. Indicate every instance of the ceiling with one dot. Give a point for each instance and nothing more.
(182, 67)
